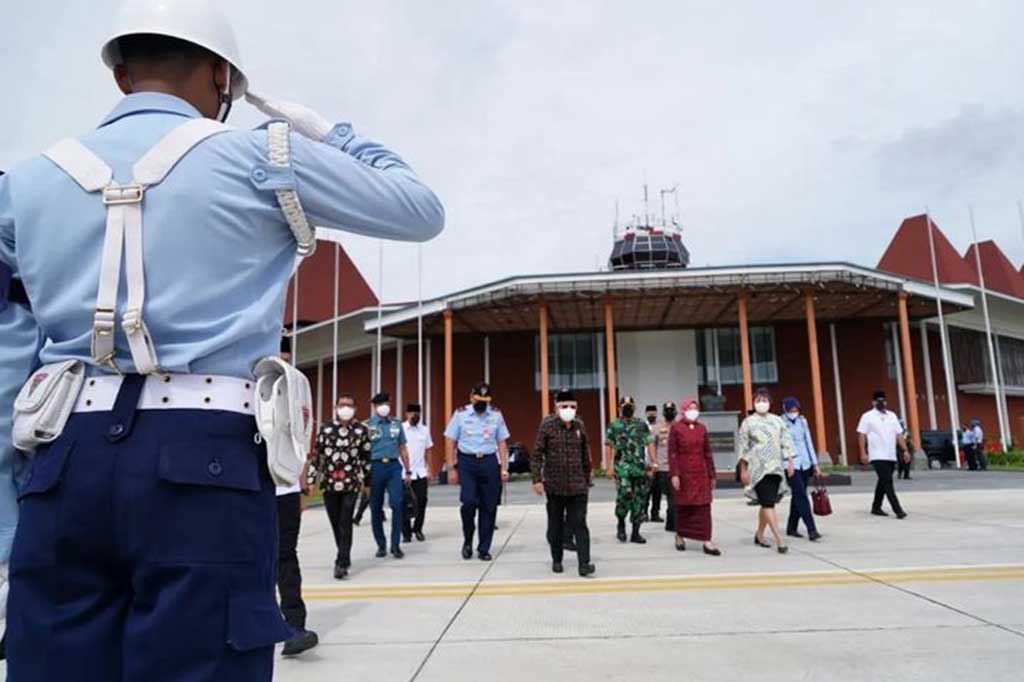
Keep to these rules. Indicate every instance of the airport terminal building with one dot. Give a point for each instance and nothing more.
(650, 327)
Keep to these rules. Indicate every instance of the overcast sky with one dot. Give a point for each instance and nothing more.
(797, 131)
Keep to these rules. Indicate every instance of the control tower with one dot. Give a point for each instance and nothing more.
(643, 244)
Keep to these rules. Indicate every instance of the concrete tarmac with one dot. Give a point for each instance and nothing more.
(937, 596)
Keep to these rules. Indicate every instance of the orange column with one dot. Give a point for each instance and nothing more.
(449, 408)
(748, 383)
(819, 403)
(545, 388)
(609, 345)
(913, 422)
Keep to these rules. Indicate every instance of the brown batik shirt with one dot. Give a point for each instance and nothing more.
(561, 457)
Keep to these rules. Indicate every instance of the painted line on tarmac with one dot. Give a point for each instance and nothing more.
(942, 574)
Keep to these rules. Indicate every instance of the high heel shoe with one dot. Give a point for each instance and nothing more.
(680, 544)
(713, 551)
(783, 549)
(760, 543)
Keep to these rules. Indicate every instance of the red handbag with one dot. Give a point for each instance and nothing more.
(819, 499)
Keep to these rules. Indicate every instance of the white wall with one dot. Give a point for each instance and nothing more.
(655, 366)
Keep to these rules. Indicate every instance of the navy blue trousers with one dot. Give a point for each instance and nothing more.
(479, 488)
(146, 550)
(386, 477)
(799, 504)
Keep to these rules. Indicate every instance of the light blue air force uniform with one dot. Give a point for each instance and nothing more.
(477, 434)
(218, 254)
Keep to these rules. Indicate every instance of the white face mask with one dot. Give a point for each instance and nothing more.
(567, 414)
(692, 415)
(762, 407)
(383, 411)
(345, 413)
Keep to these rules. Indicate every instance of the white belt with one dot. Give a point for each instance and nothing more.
(173, 392)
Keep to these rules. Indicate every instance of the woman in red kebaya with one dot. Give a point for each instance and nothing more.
(693, 478)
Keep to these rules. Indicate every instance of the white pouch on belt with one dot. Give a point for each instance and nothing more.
(45, 402)
(284, 416)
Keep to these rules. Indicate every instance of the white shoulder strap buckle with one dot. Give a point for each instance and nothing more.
(124, 234)
(279, 152)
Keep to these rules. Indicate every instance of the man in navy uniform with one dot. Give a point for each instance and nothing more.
(389, 472)
(146, 545)
(477, 456)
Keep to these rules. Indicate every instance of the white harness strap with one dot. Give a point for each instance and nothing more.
(279, 152)
(124, 233)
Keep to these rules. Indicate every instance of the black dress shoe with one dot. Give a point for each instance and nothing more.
(620, 533)
(419, 536)
(794, 534)
(587, 570)
(340, 572)
(406, 539)
(901, 514)
(713, 551)
(814, 537)
(381, 553)
(783, 549)
(397, 553)
(556, 567)
(878, 512)
(485, 556)
(467, 552)
(303, 640)
(657, 519)
(635, 537)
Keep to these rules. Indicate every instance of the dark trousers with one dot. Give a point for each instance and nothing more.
(364, 502)
(146, 549)
(479, 483)
(386, 478)
(902, 468)
(799, 503)
(339, 507)
(885, 487)
(567, 517)
(662, 485)
(419, 490)
(289, 577)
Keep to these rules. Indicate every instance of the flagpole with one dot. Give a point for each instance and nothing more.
(334, 380)
(380, 309)
(988, 332)
(419, 326)
(947, 360)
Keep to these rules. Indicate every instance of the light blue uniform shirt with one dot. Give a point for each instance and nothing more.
(804, 456)
(477, 434)
(218, 252)
(386, 436)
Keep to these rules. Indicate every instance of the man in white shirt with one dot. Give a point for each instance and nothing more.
(418, 443)
(879, 433)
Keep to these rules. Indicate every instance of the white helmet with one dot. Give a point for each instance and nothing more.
(195, 21)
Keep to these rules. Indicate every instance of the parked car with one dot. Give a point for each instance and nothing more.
(939, 447)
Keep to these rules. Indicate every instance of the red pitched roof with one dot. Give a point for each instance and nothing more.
(1000, 273)
(316, 280)
(908, 254)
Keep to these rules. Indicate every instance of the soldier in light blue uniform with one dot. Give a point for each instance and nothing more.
(478, 458)
(146, 547)
(389, 472)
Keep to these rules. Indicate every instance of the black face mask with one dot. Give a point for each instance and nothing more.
(880, 405)
(480, 408)
(670, 415)
(414, 419)
(627, 412)
(651, 419)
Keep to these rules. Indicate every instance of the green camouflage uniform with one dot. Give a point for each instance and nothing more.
(629, 439)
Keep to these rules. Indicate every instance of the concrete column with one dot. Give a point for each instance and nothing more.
(819, 403)
(914, 422)
(545, 384)
(600, 399)
(748, 381)
(399, 383)
(487, 359)
(844, 457)
(448, 396)
(609, 345)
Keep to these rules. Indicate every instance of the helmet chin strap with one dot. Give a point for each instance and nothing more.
(225, 98)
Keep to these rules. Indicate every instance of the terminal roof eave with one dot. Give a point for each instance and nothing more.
(673, 299)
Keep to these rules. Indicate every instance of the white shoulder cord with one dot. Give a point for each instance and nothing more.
(124, 233)
(279, 153)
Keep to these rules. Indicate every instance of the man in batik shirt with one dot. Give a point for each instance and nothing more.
(340, 467)
(630, 459)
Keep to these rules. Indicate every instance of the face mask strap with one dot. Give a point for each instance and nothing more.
(225, 99)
